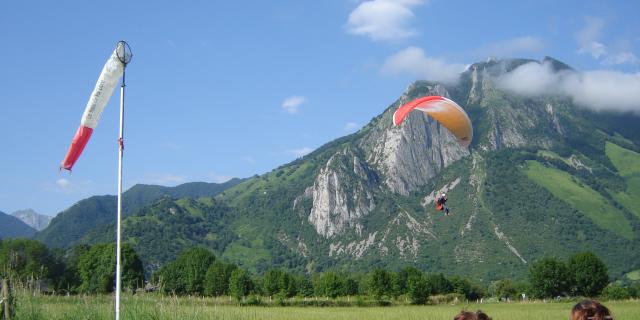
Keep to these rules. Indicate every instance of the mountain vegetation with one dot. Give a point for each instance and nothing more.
(543, 177)
(12, 227)
(72, 224)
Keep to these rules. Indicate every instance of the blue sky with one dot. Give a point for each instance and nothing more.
(221, 89)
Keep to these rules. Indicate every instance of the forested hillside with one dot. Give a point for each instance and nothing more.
(543, 176)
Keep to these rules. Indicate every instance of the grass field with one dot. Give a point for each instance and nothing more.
(581, 197)
(157, 307)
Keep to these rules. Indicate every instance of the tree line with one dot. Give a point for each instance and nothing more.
(197, 271)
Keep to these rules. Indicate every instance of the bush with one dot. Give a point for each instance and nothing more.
(446, 298)
(615, 291)
(253, 300)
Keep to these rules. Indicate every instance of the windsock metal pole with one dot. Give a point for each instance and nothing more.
(120, 151)
(125, 58)
(108, 80)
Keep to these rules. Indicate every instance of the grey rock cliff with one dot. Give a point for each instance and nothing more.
(33, 219)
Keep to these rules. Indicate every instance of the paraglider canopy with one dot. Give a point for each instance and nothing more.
(445, 111)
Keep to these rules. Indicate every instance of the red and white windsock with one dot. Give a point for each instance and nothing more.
(108, 80)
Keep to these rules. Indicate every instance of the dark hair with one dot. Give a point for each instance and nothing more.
(590, 310)
(467, 315)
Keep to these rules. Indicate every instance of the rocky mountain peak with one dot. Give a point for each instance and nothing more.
(33, 219)
(342, 192)
(408, 156)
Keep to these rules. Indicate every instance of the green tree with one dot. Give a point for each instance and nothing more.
(288, 285)
(271, 283)
(503, 289)
(350, 287)
(305, 286)
(25, 259)
(403, 276)
(465, 287)
(216, 280)
(549, 277)
(70, 280)
(186, 274)
(589, 274)
(417, 288)
(240, 284)
(438, 283)
(97, 268)
(278, 281)
(634, 290)
(330, 284)
(380, 284)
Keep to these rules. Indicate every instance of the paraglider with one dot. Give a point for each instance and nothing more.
(450, 115)
(440, 204)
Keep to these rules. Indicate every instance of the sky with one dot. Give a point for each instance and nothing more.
(221, 89)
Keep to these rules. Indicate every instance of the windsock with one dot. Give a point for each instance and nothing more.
(111, 72)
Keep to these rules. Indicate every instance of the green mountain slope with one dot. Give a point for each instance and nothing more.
(538, 180)
(627, 163)
(581, 197)
(12, 227)
(99, 211)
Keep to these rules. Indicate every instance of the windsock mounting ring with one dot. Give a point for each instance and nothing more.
(123, 52)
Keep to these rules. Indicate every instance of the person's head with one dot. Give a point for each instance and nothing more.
(468, 315)
(443, 195)
(590, 310)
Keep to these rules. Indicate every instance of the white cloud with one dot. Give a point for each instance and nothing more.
(414, 62)
(598, 90)
(293, 103)
(67, 186)
(626, 57)
(589, 42)
(249, 159)
(219, 178)
(589, 36)
(171, 146)
(299, 152)
(351, 127)
(164, 179)
(63, 183)
(510, 47)
(595, 49)
(383, 19)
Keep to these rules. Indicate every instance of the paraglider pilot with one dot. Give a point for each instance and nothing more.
(440, 204)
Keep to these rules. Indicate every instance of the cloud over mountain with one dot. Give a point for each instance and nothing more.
(414, 62)
(597, 90)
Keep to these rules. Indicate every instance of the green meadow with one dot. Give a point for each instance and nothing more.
(581, 197)
(151, 306)
(627, 162)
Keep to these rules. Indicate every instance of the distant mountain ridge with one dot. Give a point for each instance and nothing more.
(542, 177)
(12, 227)
(32, 218)
(71, 224)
